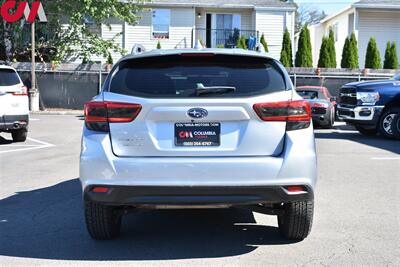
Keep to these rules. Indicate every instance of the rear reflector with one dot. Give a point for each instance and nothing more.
(99, 189)
(99, 114)
(295, 189)
(297, 114)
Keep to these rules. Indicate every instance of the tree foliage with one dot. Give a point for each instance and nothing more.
(373, 58)
(308, 15)
(350, 53)
(158, 45)
(391, 59)
(287, 52)
(324, 60)
(264, 43)
(73, 26)
(304, 52)
(332, 49)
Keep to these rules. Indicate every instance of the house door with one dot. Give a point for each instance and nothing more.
(209, 30)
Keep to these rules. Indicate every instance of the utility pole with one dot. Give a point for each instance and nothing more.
(34, 92)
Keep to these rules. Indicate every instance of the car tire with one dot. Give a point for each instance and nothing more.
(331, 122)
(384, 127)
(396, 127)
(296, 221)
(19, 135)
(102, 222)
(366, 131)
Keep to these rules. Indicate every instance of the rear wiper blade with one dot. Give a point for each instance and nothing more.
(203, 90)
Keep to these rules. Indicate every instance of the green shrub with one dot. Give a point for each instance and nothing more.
(372, 58)
(241, 43)
(110, 59)
(345, 63)
(304, 53)
(286, 53)
(158, 45)
(354, 63)
(324, 60)
(332, 50)
(391, 59)
(264, 43)
(350, 53)
(395, 56)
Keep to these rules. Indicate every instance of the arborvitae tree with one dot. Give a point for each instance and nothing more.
(304, 53)
(332, 49)
(394, 56)
(372, 58)
(286, 53)
(264, 43)
(354, 63)
(388, 63)
(324, 54)
(345, 63)
(158, 45)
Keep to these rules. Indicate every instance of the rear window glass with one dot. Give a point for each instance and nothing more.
(309, 94)
(183, 76)
(8, 77)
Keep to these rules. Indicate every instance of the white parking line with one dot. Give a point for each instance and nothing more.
(394, 158)
(41, 145)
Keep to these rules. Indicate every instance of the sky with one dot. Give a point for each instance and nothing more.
(329, 6)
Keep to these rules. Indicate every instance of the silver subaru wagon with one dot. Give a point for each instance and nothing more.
(198, 128)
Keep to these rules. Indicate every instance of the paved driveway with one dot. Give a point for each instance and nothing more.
(41, 221)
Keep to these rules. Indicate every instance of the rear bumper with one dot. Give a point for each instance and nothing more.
(14, 122)
(198, 179)
(211, 195)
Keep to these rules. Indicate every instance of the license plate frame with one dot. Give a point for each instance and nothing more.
(197, 134)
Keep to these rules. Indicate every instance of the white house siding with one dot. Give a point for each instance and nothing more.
(273, 24)
(115, 33)
(321, 30)
(182, 23)
(383, 25)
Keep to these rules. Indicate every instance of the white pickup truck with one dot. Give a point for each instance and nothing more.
(14, 104)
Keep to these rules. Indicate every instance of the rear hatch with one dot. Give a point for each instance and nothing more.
(198, 105)
(10, 86)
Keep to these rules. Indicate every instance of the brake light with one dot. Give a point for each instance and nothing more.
(319, 105)
(23, 92)
(98, 115)
(297, 113)
(197, 55)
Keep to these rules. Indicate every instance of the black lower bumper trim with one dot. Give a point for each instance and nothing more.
(14, 122)
(155, 195)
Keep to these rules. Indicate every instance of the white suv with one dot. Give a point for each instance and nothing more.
(198, 128)
(14, 104)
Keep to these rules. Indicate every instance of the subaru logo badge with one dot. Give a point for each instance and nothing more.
(197, 113)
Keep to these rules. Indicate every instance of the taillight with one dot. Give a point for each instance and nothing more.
(98, 115)
(23, 92)
(297, 114)
(319, 105)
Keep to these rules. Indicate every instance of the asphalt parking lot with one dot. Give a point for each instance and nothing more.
(357, 220)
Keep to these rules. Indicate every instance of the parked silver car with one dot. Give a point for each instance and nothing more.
(198, 128)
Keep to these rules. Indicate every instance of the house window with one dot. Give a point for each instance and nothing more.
(228, 21)
(161, 20)
(335, 28)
